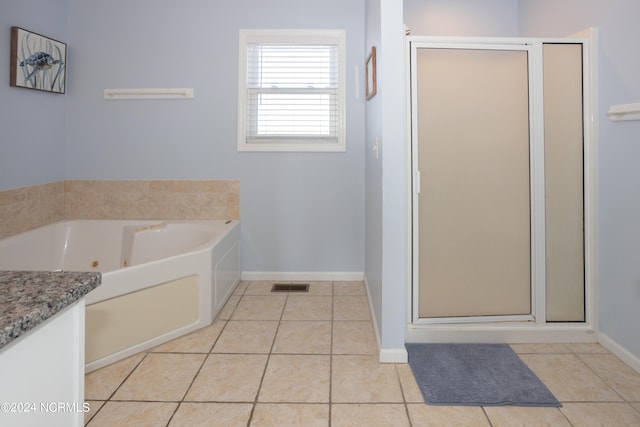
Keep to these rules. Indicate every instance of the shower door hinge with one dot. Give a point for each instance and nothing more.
(416, 183)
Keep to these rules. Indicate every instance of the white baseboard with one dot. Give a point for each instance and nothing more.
(374, 321)
(316, 276)
(500, 333)
(625, 355)
(385, 355)
(393, 355)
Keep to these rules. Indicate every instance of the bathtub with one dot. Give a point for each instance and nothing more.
(160, 279)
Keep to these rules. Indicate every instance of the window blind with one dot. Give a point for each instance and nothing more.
(292, 92)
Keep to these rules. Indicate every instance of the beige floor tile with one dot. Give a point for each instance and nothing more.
(290, 415)
(139, 414)
(211, 415)
(569, 378)
(447, 416)
(349, 288)
(301, 307)
(539, 348)
(246, 336)
(228, 308)
(622, 378)
(242, 286)
(161, 376)
(295, 384)
(316, 288)
(310, 337)
(601, 414)
(320, 288)
(369, 415)
(200, 341)
(228, 378)
(100, 384)
(353, 337)
(261, 287)
(586, 348)
(259, 307)
(508, 416)
(361, 379)
(410, 388)
(94, 406)
(351, 308)
(296, 378)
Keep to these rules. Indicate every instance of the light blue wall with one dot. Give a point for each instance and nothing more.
(395, 231)
(477, 18)
(373, 175)
(32, 143)
(300, 212)
(618, 149)
(386, 193)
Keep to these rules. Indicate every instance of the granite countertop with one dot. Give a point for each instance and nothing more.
(28, 298)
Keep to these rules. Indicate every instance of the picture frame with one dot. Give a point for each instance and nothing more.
(37, 62)
(371, 74)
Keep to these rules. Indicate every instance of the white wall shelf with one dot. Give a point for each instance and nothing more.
(622, 112)
(149, 93)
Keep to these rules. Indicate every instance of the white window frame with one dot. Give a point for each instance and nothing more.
(304, 143)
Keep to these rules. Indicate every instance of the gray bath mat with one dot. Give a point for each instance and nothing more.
(477, 375)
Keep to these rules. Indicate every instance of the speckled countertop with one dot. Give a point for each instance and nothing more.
(28, 298)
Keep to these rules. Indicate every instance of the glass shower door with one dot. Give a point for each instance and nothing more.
(473, 158)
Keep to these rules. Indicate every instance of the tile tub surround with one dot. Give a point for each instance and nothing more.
(24, 208)
(28, 298)
(191, 199)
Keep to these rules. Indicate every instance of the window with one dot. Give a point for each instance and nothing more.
(291, 90)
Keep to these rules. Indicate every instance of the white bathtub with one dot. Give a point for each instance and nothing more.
(160, 279)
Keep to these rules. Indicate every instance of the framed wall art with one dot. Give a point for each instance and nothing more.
(37, 62)
(371, 73)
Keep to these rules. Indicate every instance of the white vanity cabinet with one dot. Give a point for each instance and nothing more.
(42, 373)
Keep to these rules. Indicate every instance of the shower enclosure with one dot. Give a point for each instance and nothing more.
(501, 188)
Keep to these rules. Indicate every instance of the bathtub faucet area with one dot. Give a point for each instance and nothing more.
(150, 227)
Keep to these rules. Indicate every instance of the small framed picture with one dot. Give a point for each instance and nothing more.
(37, 62)
(371, 73)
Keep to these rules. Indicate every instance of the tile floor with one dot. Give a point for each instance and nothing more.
(310, 360)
